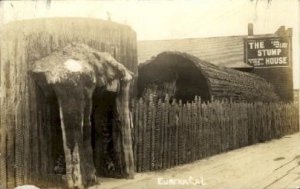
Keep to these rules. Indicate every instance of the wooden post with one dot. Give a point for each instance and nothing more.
(122, 103)
(145, 137)
(141, 134)
(153, 132)
(180, 134)
(158, 140)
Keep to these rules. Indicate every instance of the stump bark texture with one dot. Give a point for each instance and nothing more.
(28, 120)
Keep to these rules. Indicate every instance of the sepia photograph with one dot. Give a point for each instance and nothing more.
(149, 94)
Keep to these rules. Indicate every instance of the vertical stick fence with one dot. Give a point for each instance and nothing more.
(167, 133)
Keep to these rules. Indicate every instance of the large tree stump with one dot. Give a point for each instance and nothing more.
(29, 122)
(73, 74)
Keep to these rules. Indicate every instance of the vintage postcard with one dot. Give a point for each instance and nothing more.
(147, 94)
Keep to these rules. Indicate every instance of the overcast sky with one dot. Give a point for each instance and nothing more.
(153, 19)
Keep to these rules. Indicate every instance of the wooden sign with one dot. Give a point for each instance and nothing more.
(267, 51)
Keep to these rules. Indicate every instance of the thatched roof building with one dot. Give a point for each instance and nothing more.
(184, 76)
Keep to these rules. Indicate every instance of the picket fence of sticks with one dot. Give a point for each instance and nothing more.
(168, 134)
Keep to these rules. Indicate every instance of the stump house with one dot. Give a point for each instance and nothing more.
(183, 76)
(230, 52)
(31, 136)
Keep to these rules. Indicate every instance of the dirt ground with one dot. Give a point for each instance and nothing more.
(270, 165)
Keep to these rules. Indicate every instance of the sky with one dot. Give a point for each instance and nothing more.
(174, 19)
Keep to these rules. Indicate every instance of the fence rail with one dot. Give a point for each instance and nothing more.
(169, 134)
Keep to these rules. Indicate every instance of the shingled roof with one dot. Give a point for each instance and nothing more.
(227, 51)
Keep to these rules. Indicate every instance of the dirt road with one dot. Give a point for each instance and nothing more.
(271, 165)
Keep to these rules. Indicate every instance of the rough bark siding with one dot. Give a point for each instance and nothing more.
(281, 78)
(201, 78)
(23, 153)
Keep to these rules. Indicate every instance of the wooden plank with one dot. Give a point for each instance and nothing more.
(216, 128)
(166, 134)
(174, 134)
(141, 134)
(43, 131)
(193, 129)
(34, 144)
(184, 133)
(210, 131)
(219, 126)
(172, 128)
(10, 150)
(201, 131)
(20, 89)
(148, 135)
(246, 121)
(135, 110)
(26, 126)
(158, 130)
(176, 137)
(189, 133)
(19, 146)
(153, 134)
(145, 138)
(180, 134)
(161, 137)
(205, 131)
(234, 117)
(3, 159)
(198, 125)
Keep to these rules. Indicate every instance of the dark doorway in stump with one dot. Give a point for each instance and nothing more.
(103, 128)
(103, 119)
(57, 141)
(51, 142)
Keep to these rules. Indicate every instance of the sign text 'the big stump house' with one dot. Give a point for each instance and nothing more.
(269, 51)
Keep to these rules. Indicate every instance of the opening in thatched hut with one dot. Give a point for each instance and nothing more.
(183, 76)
